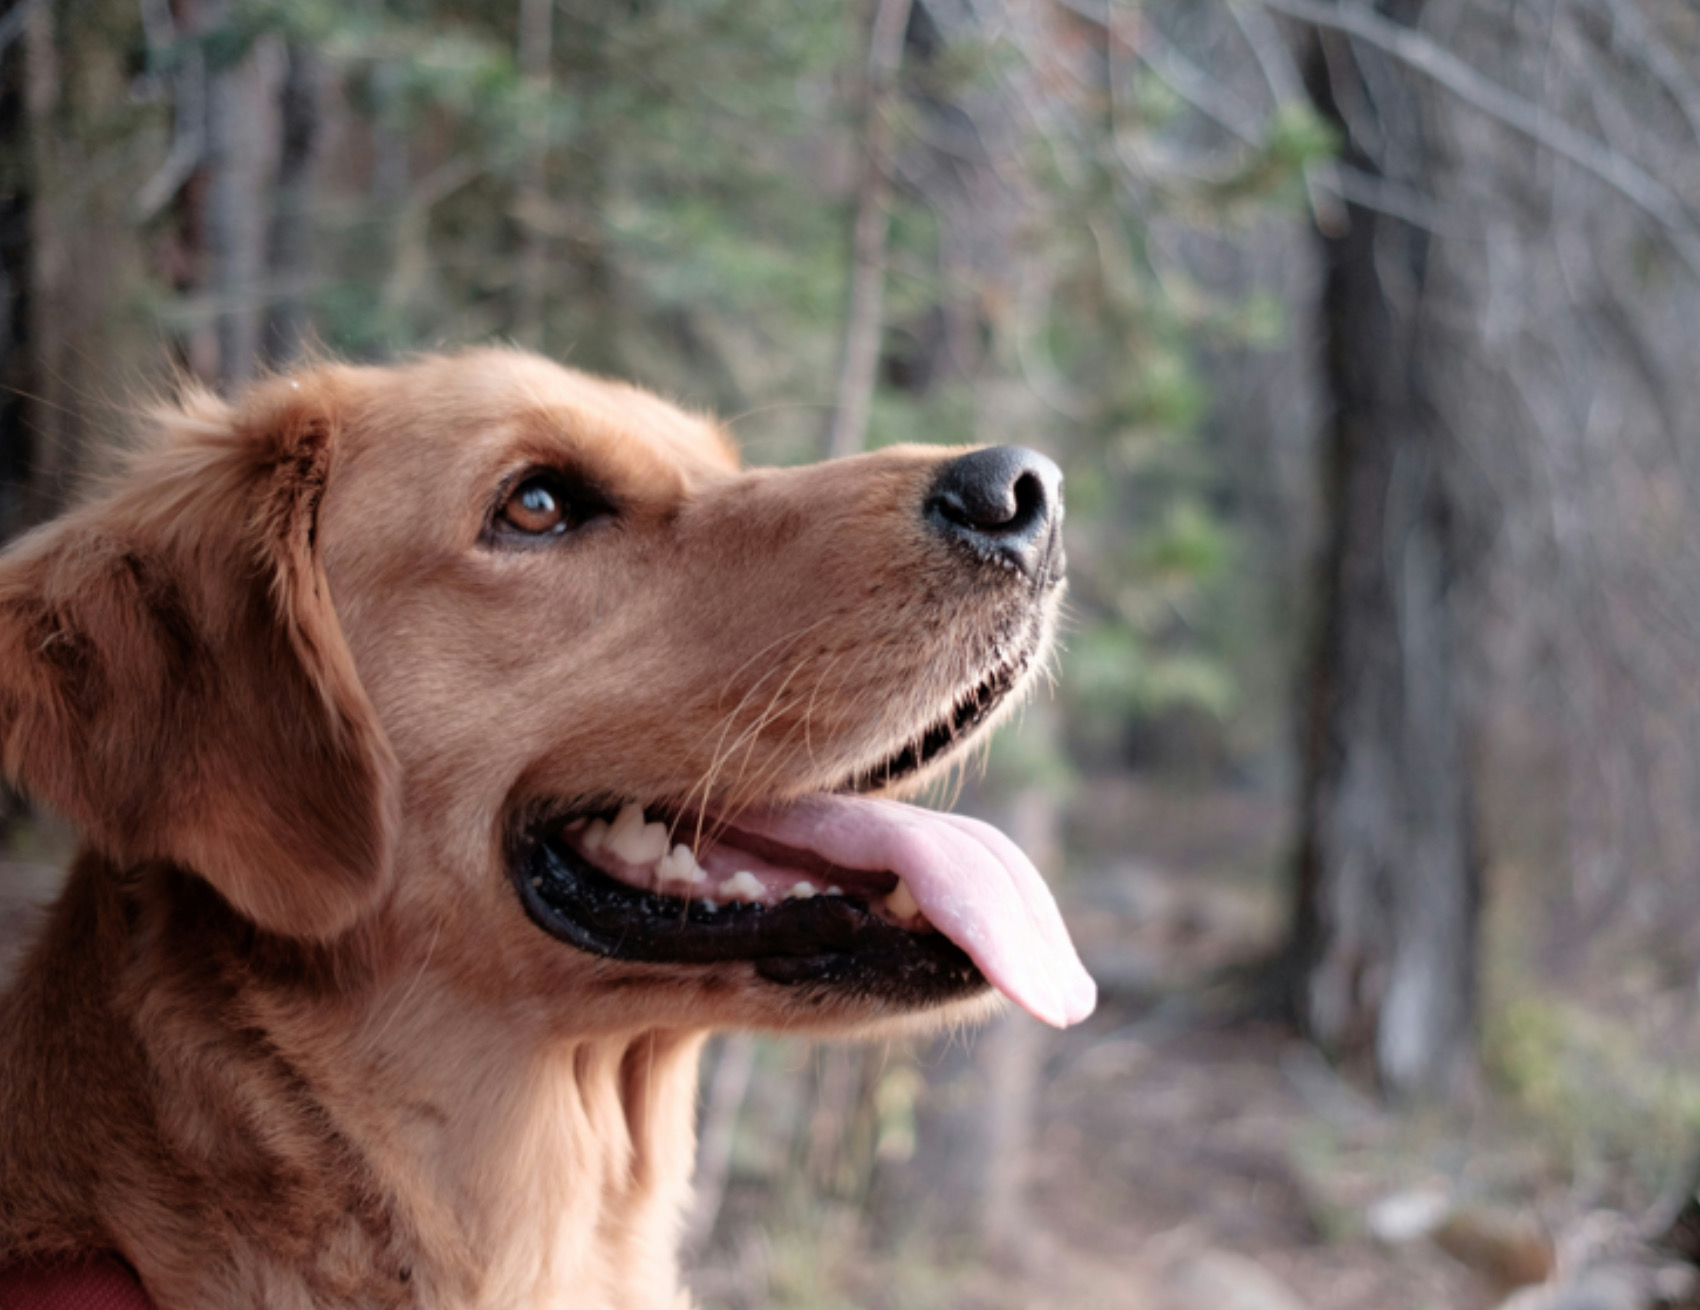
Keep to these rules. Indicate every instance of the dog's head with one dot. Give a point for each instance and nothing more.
(519, 667)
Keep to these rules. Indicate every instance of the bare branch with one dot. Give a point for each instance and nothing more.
(1412, 48)
(1631, 30)
(1186, 79)
(189, 115)
(1384, 196)
(1271, 53)
(1198, 88)
(1287, 87)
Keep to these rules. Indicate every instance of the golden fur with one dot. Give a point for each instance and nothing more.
(288, 1038)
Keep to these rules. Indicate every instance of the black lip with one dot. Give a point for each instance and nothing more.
(949, 732)
(825, 939)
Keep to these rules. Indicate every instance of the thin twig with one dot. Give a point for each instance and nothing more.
(1383, 196)
(1631, 28)
(1286, 87)
(1281, 74)
(189, 116)
(1201, 90)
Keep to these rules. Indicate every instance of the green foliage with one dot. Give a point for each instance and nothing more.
(1298, 135)
(1110, 668)
(684, 146)
(1155, 539)
(942, 417)
(1590, 1090)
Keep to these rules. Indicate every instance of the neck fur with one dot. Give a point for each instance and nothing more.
(556, 1174)
(382, 1143)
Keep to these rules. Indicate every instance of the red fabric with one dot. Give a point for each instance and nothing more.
(104, 1283)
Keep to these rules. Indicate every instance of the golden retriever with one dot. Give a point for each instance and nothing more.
(455, 745)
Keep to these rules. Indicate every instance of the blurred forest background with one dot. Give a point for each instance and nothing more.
(1368, 333)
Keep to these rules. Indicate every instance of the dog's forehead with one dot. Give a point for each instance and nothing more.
(500, 405)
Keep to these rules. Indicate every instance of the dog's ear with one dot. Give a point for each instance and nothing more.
(174, 680)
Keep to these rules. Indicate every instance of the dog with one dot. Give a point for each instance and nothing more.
(455, 745)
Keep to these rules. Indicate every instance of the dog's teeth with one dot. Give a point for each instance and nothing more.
(654, 838)
(708, 905)
(679, 865)
(627, 824)
(743, 886)
(635, 841)
(595, 835)
(901, 901)
(833, 891)
(801, 892)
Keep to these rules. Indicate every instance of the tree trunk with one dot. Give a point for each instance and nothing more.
(734, 1063)
(536, 43)
(864, 316)
(19, 496)
(18, 508)
(232, 214)
(86, 262)
(1014, 1055)
(1388, 893)
(289, 246)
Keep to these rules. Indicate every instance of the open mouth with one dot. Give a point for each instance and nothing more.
(627, 890)
(887, 900)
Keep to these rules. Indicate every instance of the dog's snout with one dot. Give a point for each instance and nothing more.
(1006, 503)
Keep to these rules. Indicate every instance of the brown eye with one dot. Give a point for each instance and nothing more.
(545, 504)
(537, 507)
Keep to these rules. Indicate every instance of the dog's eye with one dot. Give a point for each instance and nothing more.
(546, 504)
(536, 507)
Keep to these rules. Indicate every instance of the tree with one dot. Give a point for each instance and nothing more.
(863, 320)
(1388, 880)
(289, 242)
(17, 199)
(536, 36)
(1499, 620)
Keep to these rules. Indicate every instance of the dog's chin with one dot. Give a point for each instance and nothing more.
(664, 884)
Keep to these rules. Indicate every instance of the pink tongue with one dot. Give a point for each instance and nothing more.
(973, 884)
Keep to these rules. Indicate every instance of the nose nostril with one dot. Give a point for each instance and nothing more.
(954, 511)
(1003, 502)
(1029, 501)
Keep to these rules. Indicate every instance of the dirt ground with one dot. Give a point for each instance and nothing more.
(1178, 1164)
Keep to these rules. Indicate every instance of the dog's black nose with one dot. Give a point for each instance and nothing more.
(1006, 503)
